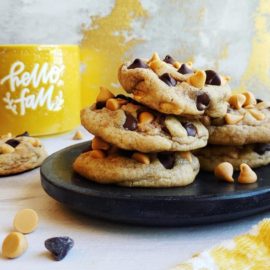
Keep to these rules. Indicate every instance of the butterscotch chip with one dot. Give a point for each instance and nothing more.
(250, 99)
(256, 114)
(142, 158)
(247, 175)
(112, 104)
(99, 144)
(78, 135)
(146, 117)
(104, 94)
(14, 245)
(6, 149)
(224, 171)
(232, 119)
(237, 101)
(198, 79)
(26, 221)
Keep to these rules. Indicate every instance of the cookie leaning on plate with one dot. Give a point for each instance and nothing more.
(135, 169)
(129, 125)
(19, 154)
(254, 155)
(246, 122)
(174, 88)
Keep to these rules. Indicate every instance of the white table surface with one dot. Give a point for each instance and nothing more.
(99, 245)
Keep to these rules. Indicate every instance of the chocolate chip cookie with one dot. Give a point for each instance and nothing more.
(129, 125)
(254, 155)
(175, 88)
(19, 154)
(246, 122)
(107, 164)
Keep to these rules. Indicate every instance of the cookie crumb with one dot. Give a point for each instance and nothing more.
(77, 136)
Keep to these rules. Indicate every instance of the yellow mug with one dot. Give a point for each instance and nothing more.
(39, 88)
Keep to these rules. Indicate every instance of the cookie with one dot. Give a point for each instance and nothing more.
(248, 124)
(254, 155)
(130, 125)
(135, 169)
(19, 154)
(175, 88)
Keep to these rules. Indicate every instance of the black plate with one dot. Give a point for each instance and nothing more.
(205, 201)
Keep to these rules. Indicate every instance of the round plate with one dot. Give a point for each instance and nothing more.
(207, 200)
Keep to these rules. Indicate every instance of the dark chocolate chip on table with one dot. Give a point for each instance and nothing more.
(167, 159)
(202, 101)
(212, 78)
(59, 246)
(166, 78)
(184, 69)
(25, 134)
(100, 105)
(190, 128)
(259, 100)
(131, 122)
(138, 63)
(168, 59)
(261, 148)
(12, 142)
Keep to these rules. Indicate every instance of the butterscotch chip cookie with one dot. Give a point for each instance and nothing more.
(175, 88)
(134, 169)
(19, 154)
(247, 125)
(132, 126)
(254, 155)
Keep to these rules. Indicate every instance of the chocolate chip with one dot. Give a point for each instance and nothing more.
(184, 69)
(129, 99)
(166, 78)
(12, 142)
(212, 78)
(167, 159)
(259, 100)
(190, 128)
(168, 59)
(138, 63)
(261, 148)
(25, 134)
(100, 105)
(130, 123)
(202, 101)
(125, 153)
(59, 246)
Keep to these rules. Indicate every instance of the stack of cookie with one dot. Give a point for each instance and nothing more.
(145, 141)
(241, 136)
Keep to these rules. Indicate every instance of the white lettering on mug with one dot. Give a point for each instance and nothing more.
(44, 78)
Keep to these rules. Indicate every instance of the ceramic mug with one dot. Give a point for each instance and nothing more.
(39, 88)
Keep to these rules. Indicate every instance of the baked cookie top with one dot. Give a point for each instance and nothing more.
(176, 88)
(247, 121)
(254, 155)
(107, 164)
(20, 153)
(129, 125)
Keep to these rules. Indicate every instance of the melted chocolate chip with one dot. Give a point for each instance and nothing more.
(190, 128)
(202, 101)
(259, 100)
(261, 148)
(25, 134)
(167, 159)
(184, 69)
(12, 142)
(129, 99)
(212, 78)
(138, 63)
(166, 78)
(100, 105)
(168, 59)
(125, 153)
(130, 123)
